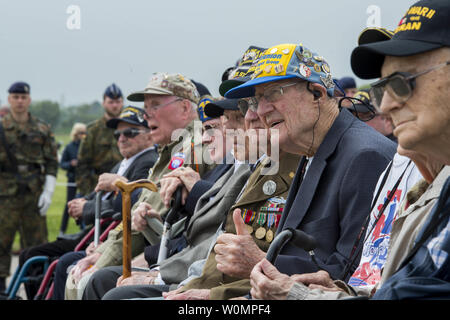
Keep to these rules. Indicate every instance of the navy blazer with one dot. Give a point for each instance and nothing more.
(137, 170)
(334, 198)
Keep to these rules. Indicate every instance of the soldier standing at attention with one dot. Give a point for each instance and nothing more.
(28, 168)
(98, 152)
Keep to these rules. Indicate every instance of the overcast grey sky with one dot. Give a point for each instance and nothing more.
(126, 41)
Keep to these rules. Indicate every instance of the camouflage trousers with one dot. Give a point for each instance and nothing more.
(19, 213)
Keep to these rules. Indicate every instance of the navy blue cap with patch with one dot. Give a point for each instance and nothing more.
(215, 109)
(19, 87)
(113, 92)
(131, 115)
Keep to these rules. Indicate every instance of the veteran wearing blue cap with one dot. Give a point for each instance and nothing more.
(292, 90)
(98, 152)
(28, 167)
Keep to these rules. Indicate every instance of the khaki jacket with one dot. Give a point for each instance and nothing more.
(257, 197)
(111, 249)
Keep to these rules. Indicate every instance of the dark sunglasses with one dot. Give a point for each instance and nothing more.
(128, 133)
(360, 109)
(400, 86)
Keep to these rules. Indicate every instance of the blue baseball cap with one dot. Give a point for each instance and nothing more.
(286, 61)
(19, 87)
(216, 108)
(113, 92)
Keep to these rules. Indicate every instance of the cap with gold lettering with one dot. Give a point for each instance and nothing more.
(424, 27)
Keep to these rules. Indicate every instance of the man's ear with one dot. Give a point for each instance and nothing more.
(186, 107)
(317, 91)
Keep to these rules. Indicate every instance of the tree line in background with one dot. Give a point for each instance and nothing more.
(62, 119)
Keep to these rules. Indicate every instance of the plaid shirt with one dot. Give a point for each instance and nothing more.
(434, 246)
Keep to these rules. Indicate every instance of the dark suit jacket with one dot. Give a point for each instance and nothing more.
(137, 170)
(334, 198)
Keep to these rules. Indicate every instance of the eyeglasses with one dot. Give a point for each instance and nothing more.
(211, 126)
(244, 105)
(399, 85)
(155, 108)
(271, 94)
(128, 133)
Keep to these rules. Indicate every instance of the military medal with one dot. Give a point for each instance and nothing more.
(261, 231)
(269, 187)
(270, 222)
(269, 235)
(277, 220)
(248, 216)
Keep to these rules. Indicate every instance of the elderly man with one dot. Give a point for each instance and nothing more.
(212, 197)
(139, 155)
(292, 89)
(170, 102)
(416, 265)
(414, 90)
(364, 110)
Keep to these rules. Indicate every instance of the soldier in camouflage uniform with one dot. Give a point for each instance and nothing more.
(28, 168)
(98, 152)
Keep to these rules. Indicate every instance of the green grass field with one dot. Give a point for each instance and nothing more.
(55, 212)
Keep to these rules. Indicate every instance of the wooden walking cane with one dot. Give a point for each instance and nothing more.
(127, 188)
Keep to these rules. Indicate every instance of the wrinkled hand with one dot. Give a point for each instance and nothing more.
(75, 207)
(237, 254)
(106, 182)
(268, 283)
(168, 187)
(138, 220)
(193, 294)
(91, 248)
(138, 278)
(317, 280)
(187, 175)
(83, 265)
